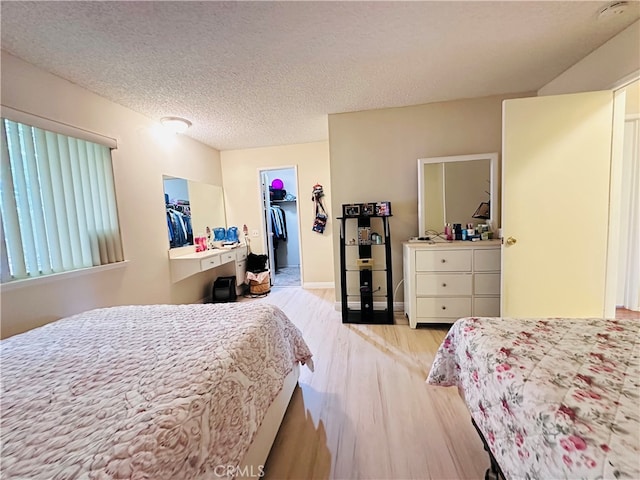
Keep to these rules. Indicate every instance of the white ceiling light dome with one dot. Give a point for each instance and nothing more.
(175, 124)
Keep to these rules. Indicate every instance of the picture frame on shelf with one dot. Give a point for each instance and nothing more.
(364, 235)
(368, 209)
(351, 210)
(383, 209)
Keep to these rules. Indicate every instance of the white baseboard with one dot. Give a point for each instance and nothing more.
(315, 285)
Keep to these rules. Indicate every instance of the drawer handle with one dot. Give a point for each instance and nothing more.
(444, 284)
(443, 261)
(443, 307)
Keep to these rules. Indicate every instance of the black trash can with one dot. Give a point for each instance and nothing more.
(224, 290)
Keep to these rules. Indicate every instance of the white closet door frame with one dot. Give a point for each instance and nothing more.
(628, 286)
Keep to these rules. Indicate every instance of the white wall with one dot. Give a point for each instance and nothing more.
(242, 189)
(138, 163)
(603, 68)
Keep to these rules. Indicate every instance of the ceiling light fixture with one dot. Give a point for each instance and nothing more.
(175, 124)
(613, 9)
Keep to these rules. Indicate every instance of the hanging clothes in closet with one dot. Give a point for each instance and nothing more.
(278, 223)
(279, 229)
(179, 224)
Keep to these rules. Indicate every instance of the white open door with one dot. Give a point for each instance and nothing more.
(266, 211)
(556, 170)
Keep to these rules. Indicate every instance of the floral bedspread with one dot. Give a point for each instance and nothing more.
(142, 392)
(554, 398)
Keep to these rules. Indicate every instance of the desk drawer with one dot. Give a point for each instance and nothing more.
(443, 307)
(443, 284)
(210, 262)
(241, 254)
(443, 260)
(227, 257)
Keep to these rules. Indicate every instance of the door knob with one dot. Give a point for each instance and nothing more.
(511, 241)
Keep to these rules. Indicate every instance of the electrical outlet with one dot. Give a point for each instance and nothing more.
(255, 233)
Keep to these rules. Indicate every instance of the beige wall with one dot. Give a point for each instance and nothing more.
(603, 68)
(633, 98)
(374, 156)
(139, 163)
(242, 189)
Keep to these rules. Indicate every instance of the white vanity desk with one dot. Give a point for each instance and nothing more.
(186, 261)
(444, 281)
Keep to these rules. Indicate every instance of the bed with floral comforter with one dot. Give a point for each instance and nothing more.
(142, 392)
(553, 398)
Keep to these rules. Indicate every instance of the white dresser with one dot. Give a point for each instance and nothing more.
(447, 281)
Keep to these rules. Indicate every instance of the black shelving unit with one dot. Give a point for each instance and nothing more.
(367, 293)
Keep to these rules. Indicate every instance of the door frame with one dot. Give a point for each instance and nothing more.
(615, 191)
(263, 206)
(267, 233)
(615, 199)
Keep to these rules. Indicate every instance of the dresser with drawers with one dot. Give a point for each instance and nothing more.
(447, 281)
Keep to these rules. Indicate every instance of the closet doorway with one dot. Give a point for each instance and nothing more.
(282, 227)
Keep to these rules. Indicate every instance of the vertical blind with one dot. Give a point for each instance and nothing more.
(58, 203)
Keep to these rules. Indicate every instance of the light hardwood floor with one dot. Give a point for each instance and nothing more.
(366, 412)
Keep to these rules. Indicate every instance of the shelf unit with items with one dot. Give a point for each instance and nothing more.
(447, 281)
(365, 267)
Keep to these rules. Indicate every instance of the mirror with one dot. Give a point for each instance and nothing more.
(457, 189)
(191, 208)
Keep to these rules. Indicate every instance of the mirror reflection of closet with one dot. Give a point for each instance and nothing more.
(191, 208)
(454, 189)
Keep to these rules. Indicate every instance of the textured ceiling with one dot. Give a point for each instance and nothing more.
(252, 74)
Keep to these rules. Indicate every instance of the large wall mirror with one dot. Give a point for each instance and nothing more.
(457, 189)
(191, 208)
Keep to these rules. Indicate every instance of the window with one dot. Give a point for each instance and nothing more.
(58, 206)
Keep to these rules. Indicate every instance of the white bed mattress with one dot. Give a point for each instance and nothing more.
(142, 392)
